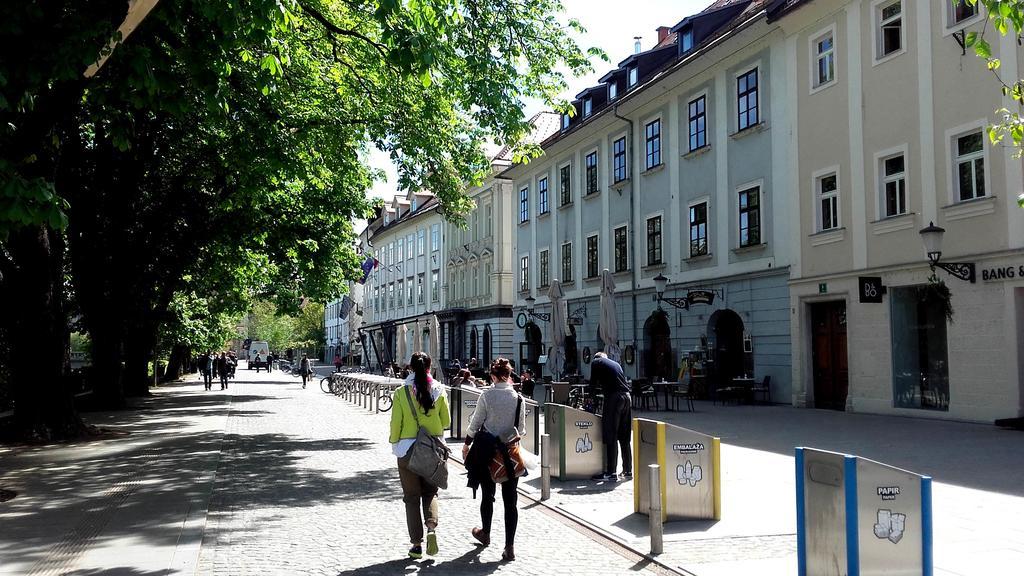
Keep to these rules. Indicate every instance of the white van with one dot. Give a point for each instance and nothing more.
(258, 347)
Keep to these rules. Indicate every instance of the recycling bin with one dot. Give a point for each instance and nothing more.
(463, 404)
(857, 516)
(577, 451)
(689, 463)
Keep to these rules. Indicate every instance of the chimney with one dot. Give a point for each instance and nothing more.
(663, 32)
(636, 45)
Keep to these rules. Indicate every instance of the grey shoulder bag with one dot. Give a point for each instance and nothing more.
(428, 456)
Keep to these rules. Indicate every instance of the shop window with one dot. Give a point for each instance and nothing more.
(920, 358)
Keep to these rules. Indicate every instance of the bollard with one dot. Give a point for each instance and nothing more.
(654, 514)
(376, 404)
(545, 466)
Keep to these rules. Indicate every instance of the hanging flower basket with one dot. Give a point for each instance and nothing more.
(936, 291)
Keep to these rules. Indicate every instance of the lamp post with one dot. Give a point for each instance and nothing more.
(530, 302)
(660, 282)
(932, 238)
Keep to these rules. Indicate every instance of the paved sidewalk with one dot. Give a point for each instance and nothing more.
(269, 479)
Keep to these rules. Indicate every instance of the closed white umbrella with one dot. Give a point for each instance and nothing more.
(608, 330)
(401, 355)
(435, 341)
(559, 329)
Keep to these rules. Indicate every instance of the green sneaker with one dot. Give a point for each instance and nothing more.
(431, 543)
(416, 552)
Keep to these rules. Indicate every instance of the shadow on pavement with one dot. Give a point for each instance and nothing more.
(468, 564)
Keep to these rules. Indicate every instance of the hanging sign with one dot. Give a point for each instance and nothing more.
(871, 289)
(700, 297)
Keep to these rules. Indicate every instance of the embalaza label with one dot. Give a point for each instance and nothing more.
(688, 447)
(584, 424)
(888, 492)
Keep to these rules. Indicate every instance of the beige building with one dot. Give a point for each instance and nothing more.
(890, 135)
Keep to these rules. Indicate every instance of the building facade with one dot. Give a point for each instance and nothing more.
(675, 166)
(343, 320)
(891, 137)
(404, 290)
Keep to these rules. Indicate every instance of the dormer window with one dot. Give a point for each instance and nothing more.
(686, 40)
(633, 77)
(588, 107)
(613, 91)
(415, 204)
(386, 219)
(565, 121)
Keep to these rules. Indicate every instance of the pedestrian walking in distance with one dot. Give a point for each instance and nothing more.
(206, 362)
(256, 362)
(337, 362)
(496, 415)
(223, 370)
(270, 362)
(607, 375)
(431, 408)
(305, 369)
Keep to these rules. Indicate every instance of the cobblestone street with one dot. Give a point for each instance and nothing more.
(307, 484)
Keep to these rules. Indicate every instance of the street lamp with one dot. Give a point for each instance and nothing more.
(530, 302)
(932, 238)
(660, 282)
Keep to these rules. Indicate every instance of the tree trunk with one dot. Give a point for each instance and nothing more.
(33, 295)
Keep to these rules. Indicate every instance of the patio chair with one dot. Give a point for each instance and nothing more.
(643, 394)
(764, 389)
(682, 391)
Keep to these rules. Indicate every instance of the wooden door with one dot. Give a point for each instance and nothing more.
(828, 349)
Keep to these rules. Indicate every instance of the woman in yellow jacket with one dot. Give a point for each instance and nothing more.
(432, 412)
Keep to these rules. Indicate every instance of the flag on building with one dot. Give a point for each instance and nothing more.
(368, 265)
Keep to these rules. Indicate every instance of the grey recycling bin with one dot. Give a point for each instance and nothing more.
(857, 516)
(464, 402)
(690, 471)
(577, 449)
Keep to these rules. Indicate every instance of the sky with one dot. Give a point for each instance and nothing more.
(609, 27)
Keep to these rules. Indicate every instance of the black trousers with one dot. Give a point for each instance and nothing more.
(616, 433)
(509, 496)
(223, 380)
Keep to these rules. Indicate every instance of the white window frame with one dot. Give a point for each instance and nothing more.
(819, 217)
(523, 218)
(559, 168)
(410, 241)
(421, 241)
(661, 233)
(876, 30)
(952, 26)
(614, 267)
(545, 207)
(706, 200)
(761, 108)
(597, 167)
(586, 255)
(435, 237)
(881, 180)
(815, 56)
(541, 268)
(613, 90)
(684, 35)
(660, 140)
(566, 119)
(632, 76)
(561, 264)
(759, 184)
(707, 132)
(952, 172)
(435, 286)
(588, 107)
(611, 158)
(524, 276)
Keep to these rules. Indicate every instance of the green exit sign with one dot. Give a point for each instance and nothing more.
(822, 288)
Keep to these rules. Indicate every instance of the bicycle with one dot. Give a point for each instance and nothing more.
(331, 384)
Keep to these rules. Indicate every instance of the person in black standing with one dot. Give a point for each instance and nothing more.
(616, 432)
(223, 369)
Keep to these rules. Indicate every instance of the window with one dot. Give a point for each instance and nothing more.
(419, 289)
(565, 185)
(632, 76)
(592, 261)
(401, 249)
(699, 229)
(652, 140)
(376, 299)
(410, 241)
(654, 241)
(435, 237)
(545, 275)
(542, 196)
(824, 57)
(920, 359)
(960, 11)
(487, 280)
(894, 186)
(746, 100)
(401, 296)
(621, 256)
(890, 28)
(391, 296)
(524, 205)
(686, 40)
(488, 221)
(415, 204)
(565, 121)
(613, 91)
(434, 292)
(828, 202)
(592, 173)
(421, 240)
(524, 273)
(566, 262)
(408, 292)
(588, 107)
(619, 160)
(970, 166)
(476, 282)
(698, 123)
(750, 216)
